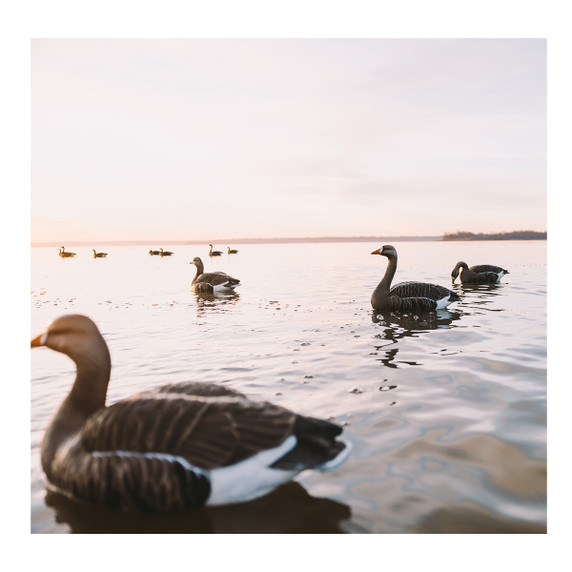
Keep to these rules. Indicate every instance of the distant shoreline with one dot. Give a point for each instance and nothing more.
(519, 235)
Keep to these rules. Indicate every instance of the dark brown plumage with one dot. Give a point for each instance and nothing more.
(174, 447)
(220, 281)
(407, 296)
(480, 274)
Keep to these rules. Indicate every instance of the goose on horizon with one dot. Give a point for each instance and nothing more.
(480, 274)
(220, 281)
(214, 252)
(64, 254)
(165, 252)
(154, 252)
(98, 254)
(407, 296)
(174, 447)
(232, 250)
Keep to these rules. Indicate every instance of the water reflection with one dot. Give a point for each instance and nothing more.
(288, 509)
(205, 299)
(397, 326)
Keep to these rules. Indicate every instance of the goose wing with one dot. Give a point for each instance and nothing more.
(207, 432)
(487, 268)
(419, 290)
(216, 278)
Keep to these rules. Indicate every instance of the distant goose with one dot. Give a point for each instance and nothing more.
(65, 254)
(407, 296)
(98, 254)
(154, 252)
(174, 447)
(219, 280)
(231, 250)
(214, 252)
(165, 252)
(481, 274)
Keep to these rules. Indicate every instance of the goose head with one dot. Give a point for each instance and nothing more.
(76, 336)
(455, 272)
(387, 250)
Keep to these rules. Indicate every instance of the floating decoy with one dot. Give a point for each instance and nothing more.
(165, 252)
(154, 252)
(174, 447)
(98, 254)
(407, 296)
(220, 281)
(232, 250)
(214, 252)
(480, 274)
(65, 254)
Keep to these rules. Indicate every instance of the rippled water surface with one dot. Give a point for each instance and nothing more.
(447, 414)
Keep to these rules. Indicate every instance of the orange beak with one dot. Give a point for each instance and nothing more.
(37, 342)
(378, 251)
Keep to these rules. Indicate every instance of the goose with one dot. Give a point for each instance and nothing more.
(218, 280)
(98, 254)
(232, 250)
(154, 252)
(481, 274)
(165, 252)
(407, 296)
(65, 254)
(174, 447)
(214, 252)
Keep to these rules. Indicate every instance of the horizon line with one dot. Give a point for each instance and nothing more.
(138, 242)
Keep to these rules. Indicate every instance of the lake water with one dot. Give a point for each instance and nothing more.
(447, 416)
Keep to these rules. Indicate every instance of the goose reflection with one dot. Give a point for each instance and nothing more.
(209, 297)
(397, 326)
(288, 509)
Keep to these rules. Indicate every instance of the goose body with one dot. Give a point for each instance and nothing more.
(220, 281)
(407, 296)
(98, 254)
(480, 274)
(214, 252)
(154, 252)
(64, 254)
(165, 252)
(232, 250)
(175, 447)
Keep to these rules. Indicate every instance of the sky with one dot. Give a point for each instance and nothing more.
(205, 139)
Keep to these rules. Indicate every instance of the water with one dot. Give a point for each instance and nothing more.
(447, 416)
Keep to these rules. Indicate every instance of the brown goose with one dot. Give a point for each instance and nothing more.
(175, 447)
(219, 280)
(165, 252)
(214, 252)
(407, 296)
(154, 252)
(480, 274)
(98, 254)
(65, 254)
(232, 250)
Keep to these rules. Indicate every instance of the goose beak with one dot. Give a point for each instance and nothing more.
(38, 341)
(378, 251)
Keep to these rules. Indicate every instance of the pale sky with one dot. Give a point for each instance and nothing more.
(198, 139)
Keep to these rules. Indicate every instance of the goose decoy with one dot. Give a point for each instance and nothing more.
(232, 250)
(98, 254)
(407, 296)
(214, 252)
(165, 252)
(65, 254)
(154, 252)
(480, 274)
(174, 447)
(219, 280)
